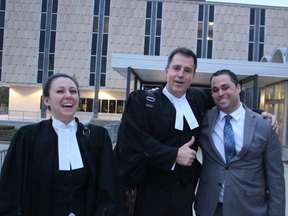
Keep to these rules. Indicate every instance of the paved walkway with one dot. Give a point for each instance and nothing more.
(5, 144)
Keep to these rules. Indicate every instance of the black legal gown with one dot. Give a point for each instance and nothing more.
(25, 184)
(147, 148)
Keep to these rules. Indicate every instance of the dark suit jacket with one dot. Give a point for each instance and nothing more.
(26, 174)
(147, 145)
(254, 181)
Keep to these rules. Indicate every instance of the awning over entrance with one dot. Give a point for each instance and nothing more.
(150, 70)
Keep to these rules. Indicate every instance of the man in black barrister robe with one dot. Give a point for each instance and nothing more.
(155, 150)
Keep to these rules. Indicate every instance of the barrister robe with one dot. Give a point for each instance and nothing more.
(147, 148)
(26, 175)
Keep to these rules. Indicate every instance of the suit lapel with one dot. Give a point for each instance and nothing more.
(249, 129)
(212, 118)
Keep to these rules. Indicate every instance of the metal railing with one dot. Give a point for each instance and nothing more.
(112, 130)
(30, 116)
(3, 153)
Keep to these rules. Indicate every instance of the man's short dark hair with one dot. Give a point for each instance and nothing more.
(185, 52)
(232, 75)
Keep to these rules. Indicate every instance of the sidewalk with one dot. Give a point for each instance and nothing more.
(5, 144)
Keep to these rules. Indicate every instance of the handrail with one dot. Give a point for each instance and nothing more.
(3, 153)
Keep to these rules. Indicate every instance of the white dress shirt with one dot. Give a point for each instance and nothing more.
(237, 122)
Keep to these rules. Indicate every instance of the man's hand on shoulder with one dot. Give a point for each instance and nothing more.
(153, 89)
(274, 122)
(186, 155)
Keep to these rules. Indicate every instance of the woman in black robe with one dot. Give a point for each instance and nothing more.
(56, 167)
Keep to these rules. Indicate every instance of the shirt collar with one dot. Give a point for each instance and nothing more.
(236, 114)
(57, 124)
(170, 96)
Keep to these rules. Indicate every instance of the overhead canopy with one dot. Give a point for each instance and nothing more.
(151, 69)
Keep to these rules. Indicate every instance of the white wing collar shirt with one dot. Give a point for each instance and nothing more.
(69, 155)
(183, 109)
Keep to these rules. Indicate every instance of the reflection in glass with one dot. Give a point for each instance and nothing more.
(43, 21)
(200, 13)
(96, 7)
(39, 76)
(159, 10)
(211, 13)
(199, 48)
(200, 30)
(250, 52)
(146, 45)
(112, 106)
(55, 6)
(52, 42)
(106, 24)
(210, 31)
(93, 64)
(103, 80)
(147, 27)
(107, 8)
(51, 61)
(262, 34)
(251, 34)
(262, 19)
(158, 28)
(95, 24)
(157, 46)
(94, 44)
(104, 106)
(120, 106)
(40, 61)
(209, 49)
(252, 16)
(92, 79)
(148, 9)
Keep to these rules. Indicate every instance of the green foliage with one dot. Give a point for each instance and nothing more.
(5, 102)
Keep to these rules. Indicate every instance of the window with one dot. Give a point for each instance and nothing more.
(205, 31)
(104, 106)
(98, 61)
(256, 34)
(2, 23)
(51, 44)
(120, 106)
(85, 105)
(153, 27)
(111, 106)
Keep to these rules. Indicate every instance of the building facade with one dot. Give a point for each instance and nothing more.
(42, 37)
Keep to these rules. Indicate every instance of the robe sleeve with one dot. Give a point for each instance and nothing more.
(136, 147)
(14, 172)
(110, 200)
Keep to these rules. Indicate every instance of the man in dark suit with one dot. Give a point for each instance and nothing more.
(153, 147)
(242, 172)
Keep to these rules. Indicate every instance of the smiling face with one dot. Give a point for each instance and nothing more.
(63, 99)
(179, 74)
(225, 93)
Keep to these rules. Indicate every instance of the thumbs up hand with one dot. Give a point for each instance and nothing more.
(185, 154)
